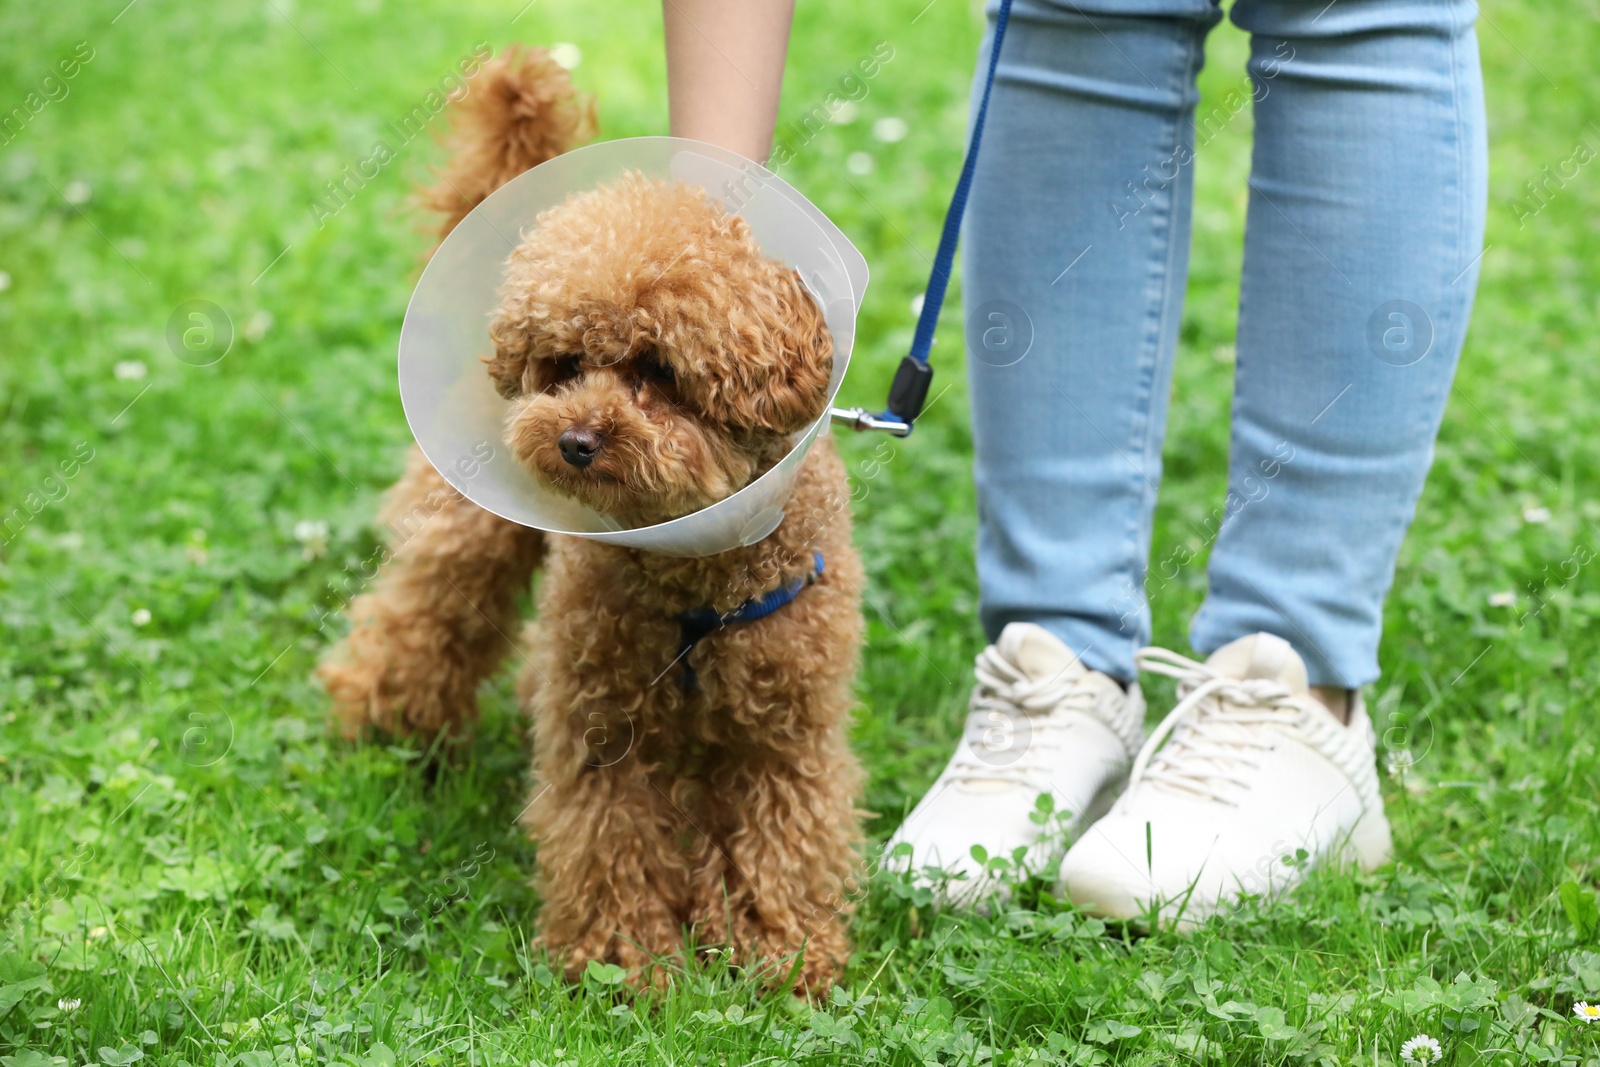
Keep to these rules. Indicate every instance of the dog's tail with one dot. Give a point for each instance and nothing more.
(518, 111)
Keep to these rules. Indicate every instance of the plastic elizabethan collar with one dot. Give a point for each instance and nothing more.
(458, 418)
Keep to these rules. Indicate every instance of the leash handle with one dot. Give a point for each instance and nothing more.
(909, 391)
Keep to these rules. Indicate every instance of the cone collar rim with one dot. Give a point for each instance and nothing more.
(449, 399)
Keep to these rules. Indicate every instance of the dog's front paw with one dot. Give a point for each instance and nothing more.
(807, 960)
(643, 971)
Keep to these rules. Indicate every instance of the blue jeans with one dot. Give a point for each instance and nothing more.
(1368, 188)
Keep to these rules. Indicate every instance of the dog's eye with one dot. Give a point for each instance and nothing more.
(565, 369)
(651, 369)
(654, 369)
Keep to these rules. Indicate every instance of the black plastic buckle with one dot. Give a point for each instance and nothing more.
(906, 397)
(910, 389)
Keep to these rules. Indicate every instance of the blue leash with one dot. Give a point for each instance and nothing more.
(907, 394)
(909, 390)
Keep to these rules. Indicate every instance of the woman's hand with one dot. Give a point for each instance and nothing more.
(725, 70)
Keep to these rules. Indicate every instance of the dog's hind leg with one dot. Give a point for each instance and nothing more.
(441, 616)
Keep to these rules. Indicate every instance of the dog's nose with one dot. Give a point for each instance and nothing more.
(579, 446)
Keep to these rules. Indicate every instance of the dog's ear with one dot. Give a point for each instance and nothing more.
(517, 112)
(512, 349)
(778, 373)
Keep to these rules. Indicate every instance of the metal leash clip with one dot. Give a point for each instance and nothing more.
(862, 419)
(908, 393)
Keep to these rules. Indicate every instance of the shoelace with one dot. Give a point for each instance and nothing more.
(1003, 697)
(1217, 729)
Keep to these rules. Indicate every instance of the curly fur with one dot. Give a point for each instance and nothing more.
(518, 111)
(717, 815)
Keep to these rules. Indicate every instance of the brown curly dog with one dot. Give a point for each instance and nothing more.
(656, 362)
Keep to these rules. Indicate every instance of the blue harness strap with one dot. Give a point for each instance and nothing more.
(698, 623)
(912, 378)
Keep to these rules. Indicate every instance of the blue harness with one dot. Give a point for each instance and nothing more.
(698, 623)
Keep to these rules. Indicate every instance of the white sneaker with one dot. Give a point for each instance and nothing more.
(1253, 769)
(1040, 722)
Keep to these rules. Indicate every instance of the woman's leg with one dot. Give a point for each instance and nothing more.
(1367, 199)
(1365, 220)
(1076, 253)
(1077, 248)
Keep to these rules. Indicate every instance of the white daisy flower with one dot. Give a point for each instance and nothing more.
(196, 550)
(1536, 515)
(860, 163)
(1503, 599)
(77, 192)
(1421, 1049)
(1586, 1012)
(69, 1004)
(5, 280)
(141, 617)
(257, 325)
(313, 537)
(129, 370)
(890, 130)
(917, 302)
(566, 54)
(845, 113)
(1398, 762)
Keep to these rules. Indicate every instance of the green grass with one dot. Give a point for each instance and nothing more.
(185, 850)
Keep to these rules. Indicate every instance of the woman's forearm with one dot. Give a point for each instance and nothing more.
(725, 70)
